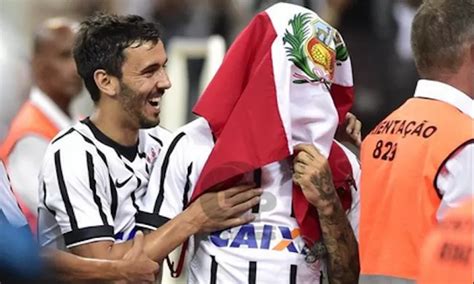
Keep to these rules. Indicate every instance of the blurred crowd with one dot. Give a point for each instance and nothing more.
(376, 32)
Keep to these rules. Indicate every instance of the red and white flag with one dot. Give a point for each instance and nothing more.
(276, 88)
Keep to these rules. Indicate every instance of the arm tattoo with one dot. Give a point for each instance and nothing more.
(337, 234)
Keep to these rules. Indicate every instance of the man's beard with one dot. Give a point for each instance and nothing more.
(133, 105)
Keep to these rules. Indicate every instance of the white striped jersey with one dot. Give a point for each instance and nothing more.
(267, 250)
(10, 212)
(90, 186)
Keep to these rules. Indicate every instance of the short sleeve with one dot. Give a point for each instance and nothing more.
(73, 188)
(455, 181)
(168, 187)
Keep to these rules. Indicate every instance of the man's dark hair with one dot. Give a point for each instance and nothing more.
(101, 41)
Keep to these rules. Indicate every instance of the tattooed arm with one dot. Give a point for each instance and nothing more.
(313, 175)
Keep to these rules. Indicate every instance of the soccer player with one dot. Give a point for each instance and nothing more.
(418, 161)
(240, 103)
(95, 174)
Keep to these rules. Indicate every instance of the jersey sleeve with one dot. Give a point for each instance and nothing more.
(74, 189)
(456, 179)
(168, 188)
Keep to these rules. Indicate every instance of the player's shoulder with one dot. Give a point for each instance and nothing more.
(196, 131)
(190, 139)
(71, 137)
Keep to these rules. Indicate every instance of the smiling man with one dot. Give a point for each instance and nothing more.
(95, 174)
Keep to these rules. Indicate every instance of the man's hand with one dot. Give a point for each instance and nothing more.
(313, 175)
(135, 266)
(350, 131)
(215, 211)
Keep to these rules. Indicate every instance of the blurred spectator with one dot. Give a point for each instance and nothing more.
(18, 20)
(46, 111)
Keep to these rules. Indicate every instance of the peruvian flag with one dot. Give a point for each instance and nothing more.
(266, 98)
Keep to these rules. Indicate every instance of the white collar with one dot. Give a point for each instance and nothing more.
(445, 93)
(49, 108)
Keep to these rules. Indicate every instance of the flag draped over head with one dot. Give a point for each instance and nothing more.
(275, 88)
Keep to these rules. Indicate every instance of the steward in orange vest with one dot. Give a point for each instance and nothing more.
(29, 121)
(400, 160)
(47, 110)
(418, 162)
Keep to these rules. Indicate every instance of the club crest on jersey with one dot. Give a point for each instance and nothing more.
(277, 238)
(152, 154)
(312, 45)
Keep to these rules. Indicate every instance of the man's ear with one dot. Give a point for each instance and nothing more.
(107, 84)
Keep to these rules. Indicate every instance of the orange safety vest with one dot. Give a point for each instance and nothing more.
(400, 161)
(30, 120)
(447, 255)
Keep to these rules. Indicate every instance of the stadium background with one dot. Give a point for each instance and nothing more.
(197, 33)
